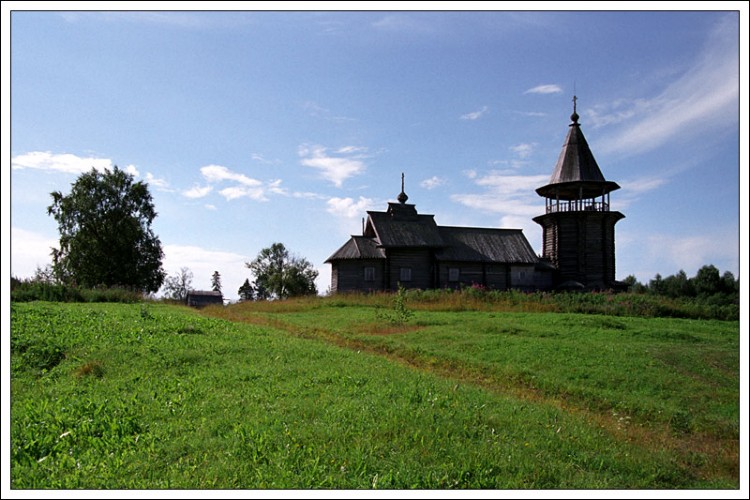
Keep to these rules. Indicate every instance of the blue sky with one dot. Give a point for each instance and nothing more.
(257, 127)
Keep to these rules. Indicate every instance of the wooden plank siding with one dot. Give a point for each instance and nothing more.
(581, 245)
(349, 275)
(419, 260)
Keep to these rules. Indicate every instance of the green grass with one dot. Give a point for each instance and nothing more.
(318, 394)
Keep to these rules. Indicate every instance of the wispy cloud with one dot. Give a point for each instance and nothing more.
(257, 157)
(197, 191)
(512, 197)
(348, 208)
(160, 184)
(179, 19)
(243, 186)
(59, 162)
(73, 164)
(403, 23)
(234, 192)
(530, 113)
(217, 173)
(335, 169)
(523, 150)
(505, 193)
(432, 182)
(643, 185)
(317, 111)
(545, 89)
(475, 115)
(704, 98)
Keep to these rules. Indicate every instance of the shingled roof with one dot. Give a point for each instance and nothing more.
(576, 174)
(358, 247)
(476, 244)
(401, 226)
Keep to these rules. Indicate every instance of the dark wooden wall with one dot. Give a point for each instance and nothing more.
(419, 260)
(581, 245)
(349, 275)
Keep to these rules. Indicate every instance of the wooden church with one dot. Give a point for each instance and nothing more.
(401, 247)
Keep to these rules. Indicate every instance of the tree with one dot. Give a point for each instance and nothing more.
(656, 285)
(634, 285)
(177, 287)
(678, 285)
(216, 282)
(105, 233)
(279, 275)
(707, 281)
(246, 291)
(728, 283)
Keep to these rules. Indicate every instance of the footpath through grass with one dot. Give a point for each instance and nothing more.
(153, 396)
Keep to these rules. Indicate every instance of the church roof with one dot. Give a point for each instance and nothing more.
(358, 247)
(477, 244)
(576, 174)
(401, 226)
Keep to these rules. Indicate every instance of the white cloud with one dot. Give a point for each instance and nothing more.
(523, 150)
(261, 159)
(275, 187)
(217, 173)
(351, 149)
(501, 183)
(643, 185)
(60, 162)
(234, 192)
(475, 115)
(545, 89)
(432, 182)
(197, 191)
(506, 194)
(530, 113)
(402, 23)
(29, 250)
(161, 184)
(208, 206)
(335, 169)
(705, 97)
(245, 187)
(317, 111)
(348, 208)
(132, 170)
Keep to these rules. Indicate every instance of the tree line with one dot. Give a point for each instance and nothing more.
(106, 242)
(708, 285)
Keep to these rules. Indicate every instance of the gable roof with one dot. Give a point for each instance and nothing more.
(204, 293)
(358, 247)
(477, 244)
(403, 227)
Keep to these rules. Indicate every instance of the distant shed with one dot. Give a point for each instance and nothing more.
(202, 298)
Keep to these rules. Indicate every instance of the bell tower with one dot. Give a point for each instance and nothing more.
(578, 227)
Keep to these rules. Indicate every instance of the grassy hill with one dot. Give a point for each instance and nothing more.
(355, 393)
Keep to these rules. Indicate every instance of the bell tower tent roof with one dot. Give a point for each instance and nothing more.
(576, 174)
